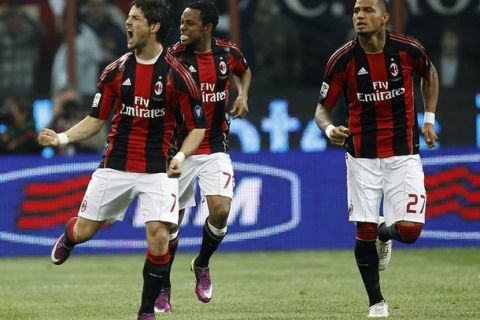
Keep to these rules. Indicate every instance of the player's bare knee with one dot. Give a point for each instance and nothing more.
(409, 231)
(366, 231)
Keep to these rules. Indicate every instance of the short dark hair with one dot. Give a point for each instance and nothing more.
(208, 11)
(156, 11)
(383, 5)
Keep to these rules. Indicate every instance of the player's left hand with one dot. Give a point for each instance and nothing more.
(430, 135)
(174, 169)
(240, 107)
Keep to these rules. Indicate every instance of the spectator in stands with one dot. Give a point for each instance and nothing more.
(277, 46)
(98, 16)
(20, 38)
(20, 136)
(455, 69)
(88, 54)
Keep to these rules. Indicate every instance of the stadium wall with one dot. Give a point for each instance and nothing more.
(283, 201)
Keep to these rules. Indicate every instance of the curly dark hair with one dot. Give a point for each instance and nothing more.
(156, 11)
(208, 11)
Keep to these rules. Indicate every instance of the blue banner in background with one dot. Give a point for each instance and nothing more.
(285, 201)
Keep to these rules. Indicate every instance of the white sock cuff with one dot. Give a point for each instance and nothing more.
(173, 236)
(217, 232)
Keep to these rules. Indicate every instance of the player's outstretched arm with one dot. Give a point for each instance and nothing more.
(190, 144)
(337, 135)
(240, 105)
(85, 129)
(429, 89)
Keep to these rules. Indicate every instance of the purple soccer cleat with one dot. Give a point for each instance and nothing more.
(60, 252)
(146, 316)
(203, 288)
(162, 305)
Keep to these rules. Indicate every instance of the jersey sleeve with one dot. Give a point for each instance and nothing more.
(333, 83)
(104, 100)
(238, 63)
(187, 98)
(419, 60)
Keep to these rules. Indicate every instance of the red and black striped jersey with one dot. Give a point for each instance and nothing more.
(145, 97)
(378, 89)
(212, 71)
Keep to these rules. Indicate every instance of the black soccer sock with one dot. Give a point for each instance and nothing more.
(367, 262)
(172, 248)
(386, 233)
(210, 243)
(402, 233)
(154, 272)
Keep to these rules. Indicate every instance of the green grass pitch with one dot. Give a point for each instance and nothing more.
(419, 284)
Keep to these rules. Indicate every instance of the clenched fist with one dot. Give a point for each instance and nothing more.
(48, 137)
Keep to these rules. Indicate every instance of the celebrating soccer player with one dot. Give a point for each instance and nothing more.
(374, 73)
(211, 62)
(147, 88)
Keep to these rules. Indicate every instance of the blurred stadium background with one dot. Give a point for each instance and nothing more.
(290, 183)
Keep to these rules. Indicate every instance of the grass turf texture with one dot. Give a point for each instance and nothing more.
(418, 284)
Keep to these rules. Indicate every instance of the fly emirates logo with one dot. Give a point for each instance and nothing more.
(140, 109)
(210, 95)
(381, 93)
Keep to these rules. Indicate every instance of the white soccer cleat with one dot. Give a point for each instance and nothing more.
(378, 310)
(384, 249)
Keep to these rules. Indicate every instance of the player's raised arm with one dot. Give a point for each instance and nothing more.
(85, 129)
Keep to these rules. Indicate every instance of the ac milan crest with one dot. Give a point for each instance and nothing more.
(394, 69)
(223, 67)
(83, 207)
(158, 88)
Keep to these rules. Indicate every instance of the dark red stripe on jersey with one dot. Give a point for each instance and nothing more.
(337, 55)
(367, 146)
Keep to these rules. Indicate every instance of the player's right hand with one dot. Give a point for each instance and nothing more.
(174, 169)
(339, 134)
(430, 135)
(48, 137)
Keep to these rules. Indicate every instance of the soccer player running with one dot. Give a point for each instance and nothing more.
(147, 87)
(374, 73)
(211, 62)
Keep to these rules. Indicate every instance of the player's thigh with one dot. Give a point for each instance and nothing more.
(108, 195)
(405, 196)
(216, 176)
(364, 189)
(158, 197)
(186, 182)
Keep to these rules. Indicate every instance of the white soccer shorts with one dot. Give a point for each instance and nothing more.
(110, 192)
(398, 180)
(215, 177)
